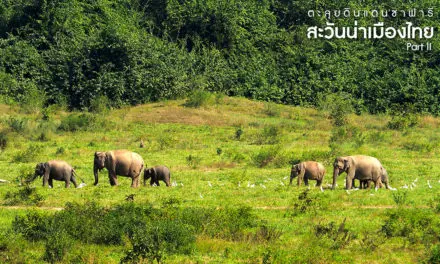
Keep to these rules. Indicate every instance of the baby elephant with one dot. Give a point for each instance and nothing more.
(308, 170)
(157, 173)
(55, 170)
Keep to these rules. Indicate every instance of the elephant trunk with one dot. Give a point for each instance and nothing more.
(95, 172)
(335, 174)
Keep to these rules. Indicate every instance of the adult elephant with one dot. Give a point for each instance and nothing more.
(55, 170)
(157, 173)
(119, 162)
(308, 170)
(363, 168)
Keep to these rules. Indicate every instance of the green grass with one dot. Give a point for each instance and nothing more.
(172, 133)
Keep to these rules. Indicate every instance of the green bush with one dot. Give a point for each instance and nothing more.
(25, 195)
(198, 99)
(193, 161)
(434, 256)
(29, 155)
(80, 122)
(3, 140)
(155, 240)
(99, 105)
(270, 135)
(338, 236)
(34, 226)
(265, 156)
(58, 243)
(19, 125)
(401, 120)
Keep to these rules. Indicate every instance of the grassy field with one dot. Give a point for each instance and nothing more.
(230, 159)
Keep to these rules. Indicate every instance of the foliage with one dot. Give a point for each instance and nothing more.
(155, 240)
(338, 235)
(30, 154)
(265, 156)
(80, 122)
(26, 195)
(198, 99)
(57, 245)
(136, 51)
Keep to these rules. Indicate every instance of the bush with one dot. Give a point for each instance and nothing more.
(271, 109)
(57, 245)
(265, 156)
(80, 122)
(270, 135)
(198, 99)
(19, 125)
(25, 195)
(238, 133)
(403, 120)
(434, 256)
(34, 226)
(305, 203)
(29, 155)
(400, 197)
(339, 106)
(155, 240)
(338, 235)
(3, 140)
(99, 105)
(193, 161)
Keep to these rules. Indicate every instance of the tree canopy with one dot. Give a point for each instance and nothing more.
(138, 51)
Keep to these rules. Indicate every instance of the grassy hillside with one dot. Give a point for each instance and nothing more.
(230, 159)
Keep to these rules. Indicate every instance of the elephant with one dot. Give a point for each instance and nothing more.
(365, 184)
(56, 170)
(308, 170)
(363, 168)
(118, 162)
(158, 173)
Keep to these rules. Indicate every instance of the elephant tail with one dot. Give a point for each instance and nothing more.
(76, 175)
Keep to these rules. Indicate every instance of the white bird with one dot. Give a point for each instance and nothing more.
(181, 184)
(209, 184)
(201, 196)
(416, 179)
(285, 177)
(392, 189)
(429, 185)
(262, 186)
(413, 184)
(81, 185)
(405, 186)
(372, 194)
(249, 184)
(270, 179)
(239, 184)
(410, 187)
(174, 184)
(347, 191)
(154, 185)
(252, 185)
(282, 183)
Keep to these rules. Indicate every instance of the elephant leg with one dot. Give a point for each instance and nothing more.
(318, 183)
(167, 183)
(157, 183)
(113, 180)
(67, 184)
(306, 181)
(73, 179)
(51, 183)
(135, 181)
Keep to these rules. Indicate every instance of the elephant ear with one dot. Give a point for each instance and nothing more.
(347, 163)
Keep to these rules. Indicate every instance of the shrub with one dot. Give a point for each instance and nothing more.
(57, 245)
(267, 233)
(193, 161)
(80, 122)
(401, 120)
(434, 256)
(19, 125)
(305, 203)
(265, 156)
(238, 133)
(400, 197)
(33, 226)
(25, 195)
(99, 105)
(3, 140)
(29, 155)
(338, 235)
(271, 109)
(270, 135)
(155, 240)
(338, 105)
(198, 99)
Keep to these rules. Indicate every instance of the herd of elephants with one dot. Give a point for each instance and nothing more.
(126, 163)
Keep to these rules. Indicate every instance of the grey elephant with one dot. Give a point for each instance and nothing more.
(55, 170)
(365, 184)
(156, 174)
(308, 170)
(118, 162)
(363, 168)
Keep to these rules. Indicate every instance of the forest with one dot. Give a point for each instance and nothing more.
(84, 53)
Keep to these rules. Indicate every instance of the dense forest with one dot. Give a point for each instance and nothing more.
(79, 52)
